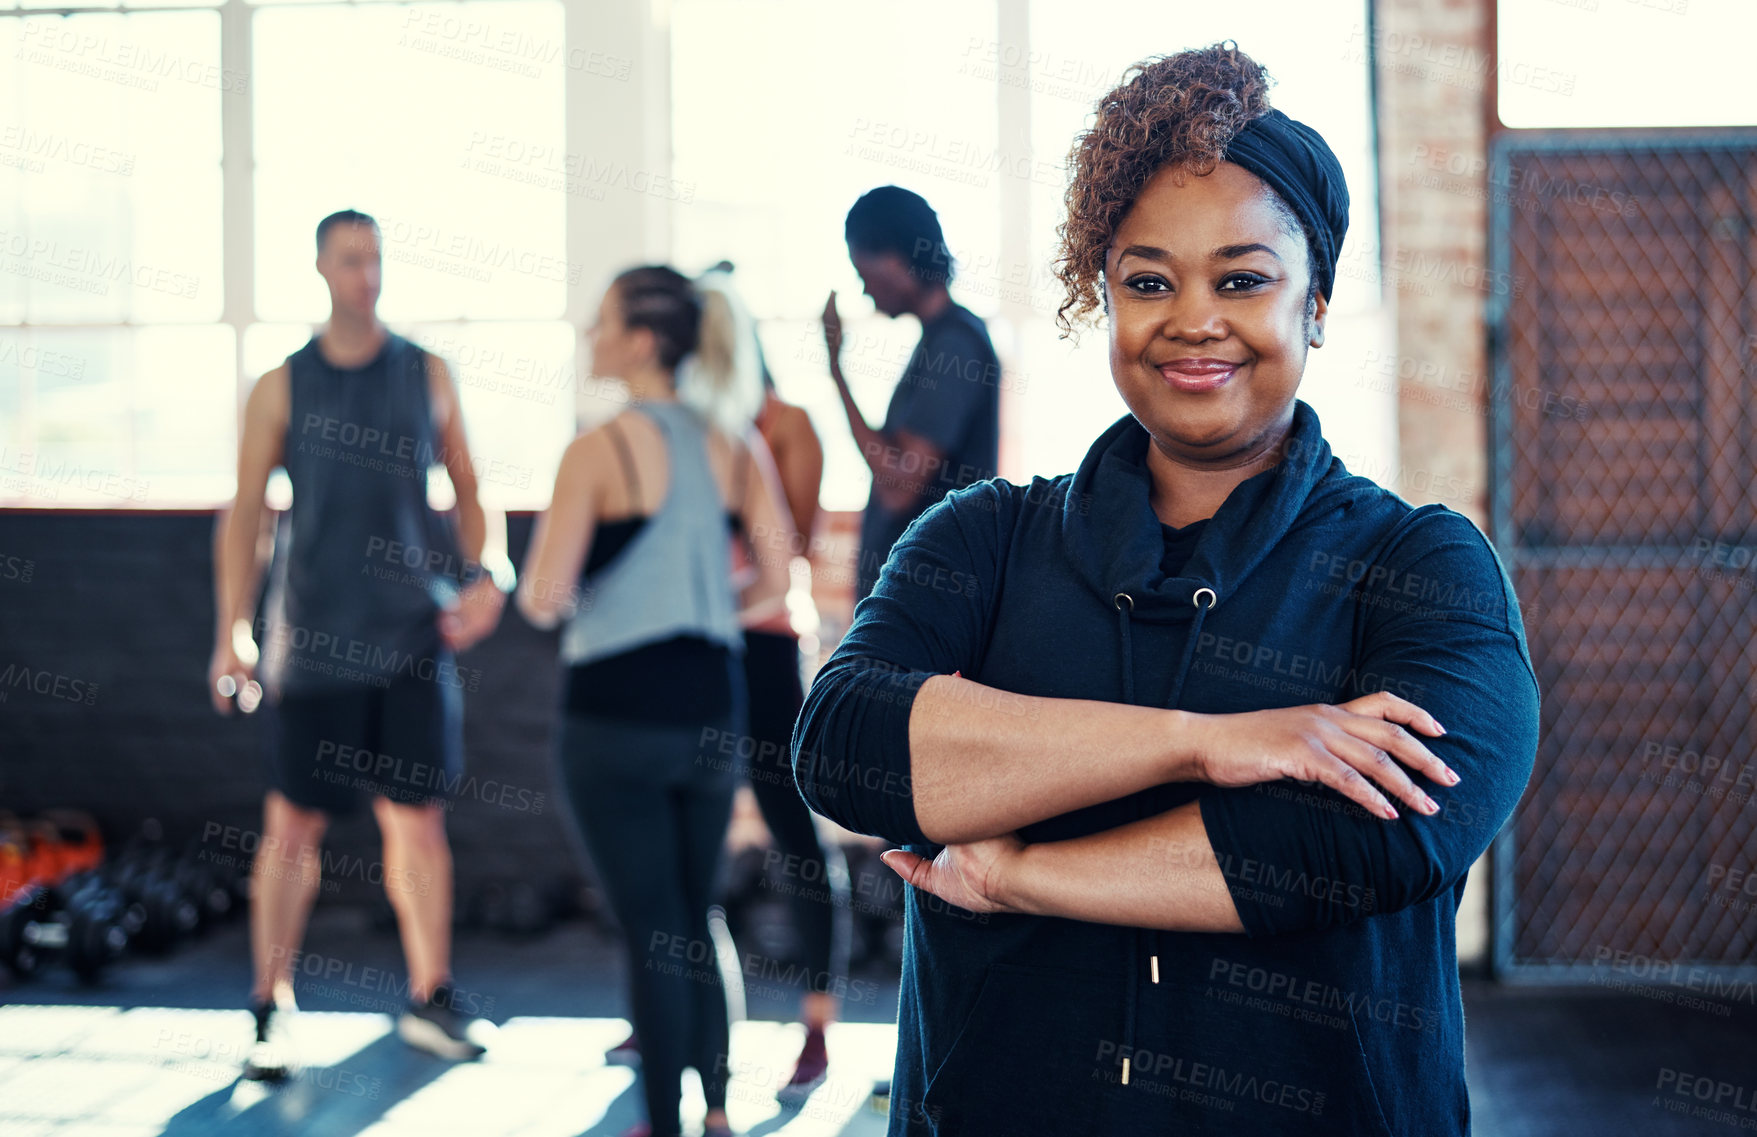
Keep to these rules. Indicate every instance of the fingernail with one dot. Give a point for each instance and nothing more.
(1429, 803)
(1442, 728)
(1452, 774)
(1391, 812)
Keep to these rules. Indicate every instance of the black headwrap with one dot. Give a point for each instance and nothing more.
(1297, 164)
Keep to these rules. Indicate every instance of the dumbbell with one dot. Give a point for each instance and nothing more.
(160, 911)
(89, 897)
(206, 885)
(81, 927)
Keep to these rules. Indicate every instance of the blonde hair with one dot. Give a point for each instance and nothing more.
(720, 378)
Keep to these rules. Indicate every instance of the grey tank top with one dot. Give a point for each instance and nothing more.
(363, 564)
(674, 578)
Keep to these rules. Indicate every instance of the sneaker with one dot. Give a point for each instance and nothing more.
(270, 1058)
(625, 1053)
(813, 1067)
(436, 1027)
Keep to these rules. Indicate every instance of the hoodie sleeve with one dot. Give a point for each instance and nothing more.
(1443, 630)
(928, 615)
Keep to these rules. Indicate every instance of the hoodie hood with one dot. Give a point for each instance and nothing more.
(1114, 543)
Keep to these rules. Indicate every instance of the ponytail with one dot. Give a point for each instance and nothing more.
(721, 378)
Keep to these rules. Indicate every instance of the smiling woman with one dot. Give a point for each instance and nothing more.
(1150, 739)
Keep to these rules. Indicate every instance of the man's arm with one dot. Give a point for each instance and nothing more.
(481, 537)
(886, 455)
(237, 571)
(481, 531)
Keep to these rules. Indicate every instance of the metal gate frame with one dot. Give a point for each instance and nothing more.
(1504, 146)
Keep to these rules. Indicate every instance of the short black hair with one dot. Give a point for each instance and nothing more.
(891, 219)
(341, 217)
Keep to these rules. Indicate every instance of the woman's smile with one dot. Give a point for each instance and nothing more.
(1200, 375)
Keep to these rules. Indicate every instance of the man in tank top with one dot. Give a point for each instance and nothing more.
(373, 593)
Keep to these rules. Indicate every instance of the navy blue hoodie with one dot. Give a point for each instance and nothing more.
(1338, 1009)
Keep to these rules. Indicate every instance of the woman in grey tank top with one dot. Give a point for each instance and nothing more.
(634, 558)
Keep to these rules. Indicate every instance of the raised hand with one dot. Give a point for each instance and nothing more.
(832, 330)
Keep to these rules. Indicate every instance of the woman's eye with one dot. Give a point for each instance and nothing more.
(1147, 284)
(1243, 282)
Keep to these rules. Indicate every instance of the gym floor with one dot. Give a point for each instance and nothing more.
(155, 1050)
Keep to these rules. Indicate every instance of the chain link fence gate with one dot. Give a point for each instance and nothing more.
(1622, 489)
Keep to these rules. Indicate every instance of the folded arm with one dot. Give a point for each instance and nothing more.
(1281, 856)
(892, 742)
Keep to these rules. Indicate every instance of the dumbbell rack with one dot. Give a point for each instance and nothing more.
(62, 899)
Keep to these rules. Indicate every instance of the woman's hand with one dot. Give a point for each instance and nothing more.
(971, 876)
(1340, 746)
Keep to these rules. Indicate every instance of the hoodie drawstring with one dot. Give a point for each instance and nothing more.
(1123, 610)
(1125, 607)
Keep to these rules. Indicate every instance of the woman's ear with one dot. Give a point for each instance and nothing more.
(1315, 319)
(643, 343)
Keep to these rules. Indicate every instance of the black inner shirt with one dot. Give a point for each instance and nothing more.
(1179, 544)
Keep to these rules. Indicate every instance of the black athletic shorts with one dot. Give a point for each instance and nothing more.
(333, 749)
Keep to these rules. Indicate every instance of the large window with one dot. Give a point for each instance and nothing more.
(116, 381)
(124, 351)
(162, 172)
(1567, 63)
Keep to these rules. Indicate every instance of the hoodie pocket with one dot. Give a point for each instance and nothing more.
(1029, 1058)
(1217, 1061)
(1366, 1074)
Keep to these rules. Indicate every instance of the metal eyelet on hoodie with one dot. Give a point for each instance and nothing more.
(1197, 598)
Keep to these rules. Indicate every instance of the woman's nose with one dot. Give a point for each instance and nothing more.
(1193, 316)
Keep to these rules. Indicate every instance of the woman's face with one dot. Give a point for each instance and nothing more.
(617, 350)
(1206, 291)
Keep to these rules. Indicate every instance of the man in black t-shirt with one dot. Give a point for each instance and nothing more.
(942, 428)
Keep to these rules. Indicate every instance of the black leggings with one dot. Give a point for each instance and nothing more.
(652, 805)
(816, 879)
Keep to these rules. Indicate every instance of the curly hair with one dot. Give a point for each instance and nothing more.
(1168, 110)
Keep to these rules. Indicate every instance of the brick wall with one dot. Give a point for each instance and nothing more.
(1435, 96)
